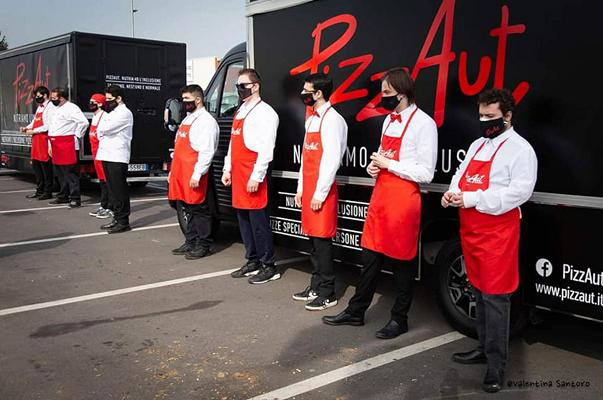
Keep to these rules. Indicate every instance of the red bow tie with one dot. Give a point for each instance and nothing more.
(395, 117)
(315, 114)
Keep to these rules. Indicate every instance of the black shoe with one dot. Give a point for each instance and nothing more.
(197, 253)
(305, 295)
(180, 251)
(267, 273)
(470, 357)
(75, 204)
(321, 303)
(118, 228)
(33, 195)
(493, 381)
(109, 225)
(343, 318)
(249, 269)
(45, 197)
(58, 201)
(392, 329)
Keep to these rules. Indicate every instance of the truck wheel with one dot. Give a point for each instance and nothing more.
(184, 217)
(455, 297)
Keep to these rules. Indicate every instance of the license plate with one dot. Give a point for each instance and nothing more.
(138, 167)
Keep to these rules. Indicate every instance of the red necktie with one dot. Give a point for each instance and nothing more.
(395, 117)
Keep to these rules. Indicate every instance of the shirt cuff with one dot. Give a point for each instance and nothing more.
(470, 199)
(320, 196)
(196, 175)
(257, 176)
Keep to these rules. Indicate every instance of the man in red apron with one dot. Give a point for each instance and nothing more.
(96, 105)
(40, 159)
(324, 146)
(250, 152)
(407, 156)
(496, 177)
(67, 125)
(194, 148)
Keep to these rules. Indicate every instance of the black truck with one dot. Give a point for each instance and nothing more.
(150, 71)
(453, 50)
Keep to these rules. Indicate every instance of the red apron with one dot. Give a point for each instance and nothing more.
(321, 223)
(39, 141)
(183, 165)
(394, 214)
(242, 161)
(63, 150)
(490, 243)
(98, 165)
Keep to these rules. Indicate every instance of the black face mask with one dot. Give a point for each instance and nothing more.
(243, 92)
(389, 102)
(307, 99)
(189, 106)
(492, 128)
(110, 105)
(55, 102)
(40, 100)
(93, 107)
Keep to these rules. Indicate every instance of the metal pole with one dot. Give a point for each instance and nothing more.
(132, 10)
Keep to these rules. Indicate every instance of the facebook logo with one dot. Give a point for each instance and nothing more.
(544, 267)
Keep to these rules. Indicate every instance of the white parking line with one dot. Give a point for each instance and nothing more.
(61, 207)
(362, 366)
(19, 191)
(84, 235)
(70, 300)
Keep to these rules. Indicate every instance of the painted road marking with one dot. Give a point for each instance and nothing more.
(63, 207)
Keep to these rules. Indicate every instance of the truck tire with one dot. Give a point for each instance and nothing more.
(183, 218)
(455, 298)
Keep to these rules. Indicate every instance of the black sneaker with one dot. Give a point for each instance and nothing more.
(306, 295)
(321, 303)
(109, 225)
(249, 269)
(58, 201)
(197, 252)
(75, 204)
(267, 273)
(180, 251)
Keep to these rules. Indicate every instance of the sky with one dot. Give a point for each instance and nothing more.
(208, 27)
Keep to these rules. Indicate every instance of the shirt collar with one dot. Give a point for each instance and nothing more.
(197, 111)
(245, 106)
(322, 109)
(406, 112)
(502, 137)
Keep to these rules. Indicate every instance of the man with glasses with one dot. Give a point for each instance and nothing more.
(250, 152)
(115, 136)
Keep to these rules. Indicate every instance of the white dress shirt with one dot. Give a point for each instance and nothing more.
(418, 152)
(203, 137)
(512, 176)
(46, 109)
(95, 118)
(115, 135)
(67, 120)
(334, 138)
(259, 135)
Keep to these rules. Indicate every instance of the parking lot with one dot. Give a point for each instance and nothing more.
(86, 315)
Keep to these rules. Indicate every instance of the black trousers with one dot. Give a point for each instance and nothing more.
(198, 229)
(104, 195)
(403, 280)
(44, 176)
(493, 314)
(119, 193)
(257, 235)
(323, 274)
(69, 181)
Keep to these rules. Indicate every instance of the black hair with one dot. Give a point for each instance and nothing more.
(254, 76)
(195, 90)
(399, 79)
(115, 91)
(43, 90)
(61, 92)
(503, 97)
(321, 82)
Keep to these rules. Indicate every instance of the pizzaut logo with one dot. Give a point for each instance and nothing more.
(544, 267)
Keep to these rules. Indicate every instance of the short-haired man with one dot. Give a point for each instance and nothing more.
(250, 151)
(96, 106)
(40, 157)
(195, 145)
(324, 146)
(115, 137)
(497, 176)
(67, 125)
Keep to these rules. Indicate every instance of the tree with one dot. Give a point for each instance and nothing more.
(3, 44)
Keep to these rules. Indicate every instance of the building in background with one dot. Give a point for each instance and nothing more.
(200, 70)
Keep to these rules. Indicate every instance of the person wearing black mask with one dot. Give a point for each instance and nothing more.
(40, 156)
(497, 175)
(115, 135)
(406, 157)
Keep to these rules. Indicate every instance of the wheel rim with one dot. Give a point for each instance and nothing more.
(459, 288)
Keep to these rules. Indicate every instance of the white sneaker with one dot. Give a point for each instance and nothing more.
(105, 214)
(321, 303)
(96, 212)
